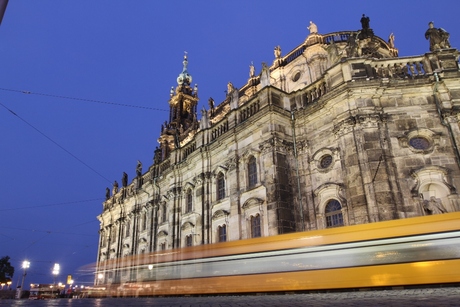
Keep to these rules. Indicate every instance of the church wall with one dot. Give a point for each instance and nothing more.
(368, 137)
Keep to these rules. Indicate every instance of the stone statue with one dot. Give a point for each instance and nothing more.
(139, 168)
(391, 40)
(433, 206)
(352, 46)
(157, 155)
(230, 88)
(439, 38)
(365, 22)
(265, 76)
(312, 27)
(107, 193)
(195, 90)
(115, 188)
(124, 180)
(277, 52)
(211, 103)
(251, 70)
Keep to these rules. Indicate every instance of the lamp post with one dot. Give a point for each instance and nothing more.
(55, 272)
(25, 266)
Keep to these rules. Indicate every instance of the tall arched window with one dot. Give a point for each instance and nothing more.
(333, 211)
(222, 233)
(163, 214)
(128, 226)
(220, 186)
(188, 200)
(255, 226)
(144, 222)
(252, 171)
(188, 240)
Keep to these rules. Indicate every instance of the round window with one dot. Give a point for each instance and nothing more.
(325, 161)
(296, 76)
(420, 143)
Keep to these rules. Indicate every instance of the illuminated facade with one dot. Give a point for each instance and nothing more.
(339, 131)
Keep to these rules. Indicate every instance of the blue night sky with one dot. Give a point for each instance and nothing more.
(117, 60)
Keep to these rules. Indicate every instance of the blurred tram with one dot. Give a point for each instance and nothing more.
(412, 251)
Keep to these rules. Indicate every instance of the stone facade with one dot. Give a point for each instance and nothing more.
(339, 131)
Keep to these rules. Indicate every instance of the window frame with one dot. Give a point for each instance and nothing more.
(220, 186)
(222, 233)
(252, 172)
(256, 231)
(333, 218)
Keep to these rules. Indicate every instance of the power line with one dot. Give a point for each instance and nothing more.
(81, 99)
(50, 205)
(48, 232)
(71, 154)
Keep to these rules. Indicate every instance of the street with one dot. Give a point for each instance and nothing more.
(449, 296)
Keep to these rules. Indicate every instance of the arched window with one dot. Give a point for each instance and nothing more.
(220, 186)
(188, 200)
(113, 235)
(103, 238)
(163, 246)
(333, 211)
(222, 233)
(128, 226)
(188, 240)
(252, 172)
(163, 214)
(144, 222)
(255, 226)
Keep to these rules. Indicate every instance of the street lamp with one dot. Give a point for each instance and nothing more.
(25, 266)
(55, 272)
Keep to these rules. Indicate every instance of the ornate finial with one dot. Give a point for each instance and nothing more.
(184, 76)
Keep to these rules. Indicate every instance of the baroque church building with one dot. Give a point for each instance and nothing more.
(339, 131)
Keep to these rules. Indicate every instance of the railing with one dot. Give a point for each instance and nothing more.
(248, 111)
(218, 131)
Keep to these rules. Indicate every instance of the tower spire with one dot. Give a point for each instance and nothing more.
(182, 111)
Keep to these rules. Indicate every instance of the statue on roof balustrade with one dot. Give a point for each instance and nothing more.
(312, 27)
(439, 38)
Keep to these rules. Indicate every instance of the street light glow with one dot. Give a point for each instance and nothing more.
(56, 269)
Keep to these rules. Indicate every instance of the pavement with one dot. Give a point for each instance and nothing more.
(439, 297)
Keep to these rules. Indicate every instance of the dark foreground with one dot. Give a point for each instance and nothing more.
(410, 297)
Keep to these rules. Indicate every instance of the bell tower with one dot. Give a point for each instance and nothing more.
(182, 113)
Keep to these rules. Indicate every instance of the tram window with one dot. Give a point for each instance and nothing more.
(255, 226)
(223, 233)
(334, 217)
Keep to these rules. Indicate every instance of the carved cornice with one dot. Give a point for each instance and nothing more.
(277, 144)
(371, 120)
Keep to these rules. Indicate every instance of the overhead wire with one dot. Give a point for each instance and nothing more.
(57, 144)
(51, 205)
(81, 99)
